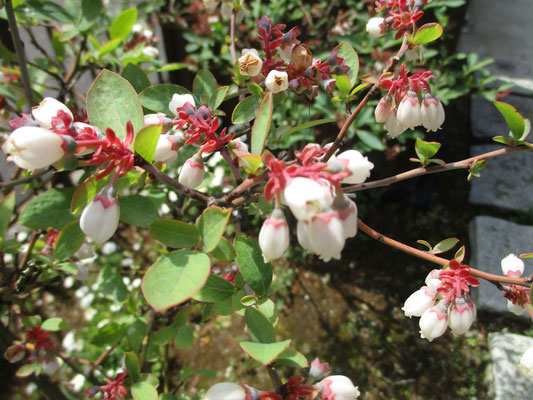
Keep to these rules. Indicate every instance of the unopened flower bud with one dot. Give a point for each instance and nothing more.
(408, 113)
(250, 63)
(50, 365)
(433, 322)
(461, 315)
(326, 235)
(318, 370)
(277, 81)
(225, 391)
(165, 148)
(338, 387)
(306, 197)
(48, 110)
(32, 147)
(419, 302)
(192, 172)
(432, 113)
(151, 52)
(354, 162)
(383, 109)
(178, 101)
(347, 212)
(99, 219)
(15, 353)
(274, 236)
(512, 266)
(301, 57)
(375, 26)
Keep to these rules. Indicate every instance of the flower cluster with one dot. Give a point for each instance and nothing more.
(405, 105)
(313, 193)
(401, 16)
(147, 38)
(517, 296)
(444, 302)
(114, 390)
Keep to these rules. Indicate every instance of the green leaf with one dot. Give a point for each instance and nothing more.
(175, 234)
(108, 334)
(49, 209)
(501, 139)
(69, 241)
(246, 110)
(157, 98)
(527, 129)
(54, 324)
(215, 289)
(358, 88)
(138, 210)
(309, 124)
(184, 338)
(255, 89)
(212, 224)
(224, 251)
(425, 243)
(426, 150)
(444, 245)
(163, 335)
(136, 76)
(514, 120)
(428, 33)
(292, 358)
(204, 83)
(268, 308)
(112, 102)
(145, 142)
(248, 301)
(143, 391)
(111, 284)
(251, 163)
(49, 11)
(217, 97)
(351, 59)
(251, 264)
(133, 368)
(265, 353)
(371, 140)
(262, 124)
(123, 23)
(175, 278)
(7, 205)
(259, 326)
(90, 10)
(343, 84)
(26, 370)
(109, 47)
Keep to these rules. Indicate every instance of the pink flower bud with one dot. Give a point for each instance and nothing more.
(433, 322)
(337, 387)
(277, 81)
(326, 235)
(178, 101)
(15, 353)
(375, 26)
(306, 197)
(165, 148)
(47, 110)
(393, 126)
(31, 147)
(347, 212)
(419, 302)
(526, 362)
(354, 162)
(409, 111)
(318, 370)
(512, 266)
(50, 365)
(383, 109)
(461, 315)
(250, 63)
(192, 172)
(274, 236)
(99, 219)
(225, 391)
(431, 113)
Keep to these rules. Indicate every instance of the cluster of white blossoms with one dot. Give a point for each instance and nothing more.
(250, 64)
(325, 218)
(435, 312)
(411, 112)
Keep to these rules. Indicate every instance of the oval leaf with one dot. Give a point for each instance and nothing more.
(143, 391)
(131, 362)
(514, 120)
(112, 102)
(351, 59)
(224, 251)
(54, 324)
(251, 264)
(69, 241)
(136, 76)
(175, 234)
(428, 33)
(175, 278)
(260, 328)
(146, 140)
(262, 124)
(212, 224)
(246, 110)
(138, 210)
(123, 23)
(292, 358)
(49, 209)
(217, 97)
(215, 289)
(444, 245)
(184, 338)
(265, 353)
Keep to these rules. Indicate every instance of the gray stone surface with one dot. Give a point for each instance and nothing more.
(505, 182)
(488, 122)
(502, 30)
(506, 380)
(491, 239)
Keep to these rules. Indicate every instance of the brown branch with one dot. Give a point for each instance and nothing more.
(234, 169)
(232, 37)
(274, 377)
(435, 259)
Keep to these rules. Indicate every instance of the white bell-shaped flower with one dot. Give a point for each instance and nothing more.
(337, 387)
(408, 113)
(302, 234)
(326, 235)
(32, 147)
(178, 101)
(375, 26)
(347, 212)
(158, 119)
(461, 315)
(274, 236)
(165, 148)
(225, 391)
(512, 265)
(277, 81)
(383, 109)
(250, 63)
(433, 322)
(419, 302)
(192, 172)
(516, 309)
(354, 162)
(393, 126)
(47, 110)
(99, 219)
(306, 197)
(431, 113)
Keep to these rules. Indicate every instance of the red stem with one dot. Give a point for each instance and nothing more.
(87, 143)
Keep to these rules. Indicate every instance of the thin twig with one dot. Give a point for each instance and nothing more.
(26, 179)
(274, 377)
(27, 255)
(150, 319)
(232, 37)
(72, 364)
(21, 56)
(234, 169)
